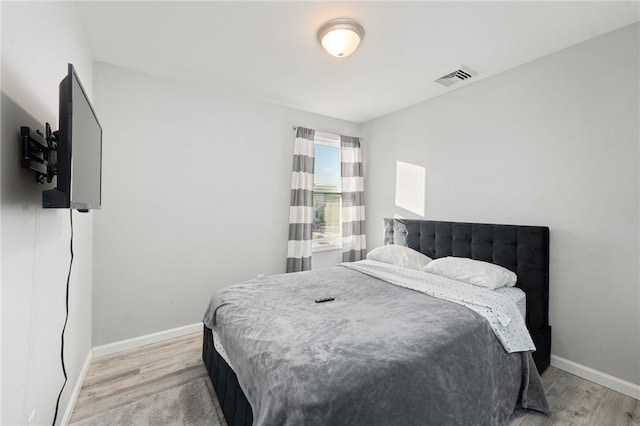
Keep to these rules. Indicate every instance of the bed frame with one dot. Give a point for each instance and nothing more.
(233, 402)
(522, 249)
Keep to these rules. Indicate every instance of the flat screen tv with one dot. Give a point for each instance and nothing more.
(78, 165)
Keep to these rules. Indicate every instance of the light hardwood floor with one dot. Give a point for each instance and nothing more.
(575, 401)
(122, 378)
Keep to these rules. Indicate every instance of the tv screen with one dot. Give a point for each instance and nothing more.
(79, 150)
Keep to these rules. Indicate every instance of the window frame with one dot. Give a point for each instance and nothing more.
(333, 243)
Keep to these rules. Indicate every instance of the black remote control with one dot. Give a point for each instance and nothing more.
(325, 299)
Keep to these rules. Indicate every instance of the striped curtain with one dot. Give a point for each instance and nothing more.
(301, 210)
(353, 233)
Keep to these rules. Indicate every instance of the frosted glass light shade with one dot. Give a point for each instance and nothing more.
(340, 37)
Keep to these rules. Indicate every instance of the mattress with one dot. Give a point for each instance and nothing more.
(220, 348)
(293, 372)
(515, 295)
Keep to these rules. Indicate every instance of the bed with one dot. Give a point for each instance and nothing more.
(394, 369)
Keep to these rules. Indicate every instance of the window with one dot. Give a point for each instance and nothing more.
(327, 193)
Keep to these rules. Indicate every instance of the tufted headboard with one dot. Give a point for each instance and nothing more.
(522, 249)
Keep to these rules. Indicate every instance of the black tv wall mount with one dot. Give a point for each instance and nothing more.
(39, 152)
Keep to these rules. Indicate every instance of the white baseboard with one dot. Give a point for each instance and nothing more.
(136, 342)
(595, 376)
(68, 412)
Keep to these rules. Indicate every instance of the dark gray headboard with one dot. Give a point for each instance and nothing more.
(522, 249)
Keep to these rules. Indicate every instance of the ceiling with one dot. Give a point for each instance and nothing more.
(268, 50)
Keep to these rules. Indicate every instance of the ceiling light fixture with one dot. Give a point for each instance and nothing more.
(340, 37)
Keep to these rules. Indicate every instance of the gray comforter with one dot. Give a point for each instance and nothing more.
(377, 355)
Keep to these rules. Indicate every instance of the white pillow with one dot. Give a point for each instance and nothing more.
(476, 272)
(400, 256)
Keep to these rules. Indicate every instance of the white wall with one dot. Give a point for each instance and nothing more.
(196, 192)
(553, 142)
(38, 40)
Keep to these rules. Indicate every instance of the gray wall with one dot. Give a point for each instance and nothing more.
(38, 40)
(196, 196)
(553, 142)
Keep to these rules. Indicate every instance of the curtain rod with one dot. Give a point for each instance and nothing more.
(321, 131)
(333, 133)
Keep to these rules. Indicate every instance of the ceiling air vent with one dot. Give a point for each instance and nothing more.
(456, 76)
